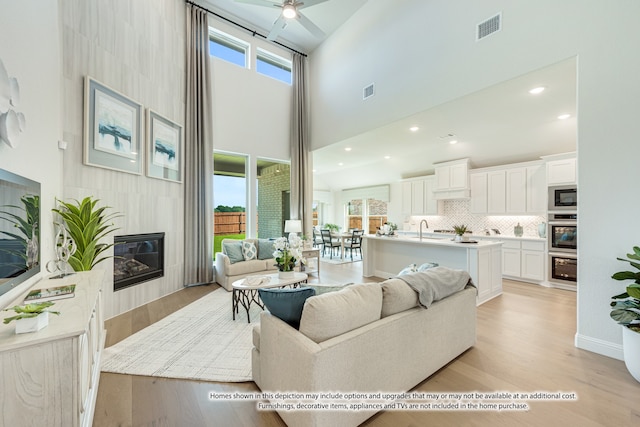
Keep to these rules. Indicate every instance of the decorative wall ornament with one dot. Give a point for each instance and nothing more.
(112, 129)
(12, 122)
(164, 148)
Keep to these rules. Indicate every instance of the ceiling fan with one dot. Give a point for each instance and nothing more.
(290, 9)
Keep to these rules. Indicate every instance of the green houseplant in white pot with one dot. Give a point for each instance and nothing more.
(460, 230)
(625, 309)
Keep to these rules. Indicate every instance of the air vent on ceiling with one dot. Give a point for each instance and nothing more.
(490, 26)
(368, 91)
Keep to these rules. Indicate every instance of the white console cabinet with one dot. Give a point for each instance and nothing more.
(50, 377)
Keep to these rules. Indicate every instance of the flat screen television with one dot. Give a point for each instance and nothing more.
(19, 230)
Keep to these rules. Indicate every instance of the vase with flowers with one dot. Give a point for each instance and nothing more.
(288, 252)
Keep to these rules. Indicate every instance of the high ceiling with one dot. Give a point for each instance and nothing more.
(328, 16)
(498, 125)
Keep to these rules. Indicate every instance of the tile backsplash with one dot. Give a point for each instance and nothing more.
(457, 212)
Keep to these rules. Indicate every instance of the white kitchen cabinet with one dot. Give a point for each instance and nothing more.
(406, 197)
(536, 190)
(496, 192)
(562, 171)
(516, 190)
(50, 377)
(452, 179)
(511, 258)
(479, 194)
(524, 259)
(417, 197)
(532, 259)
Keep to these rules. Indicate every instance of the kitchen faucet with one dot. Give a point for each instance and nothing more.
(425, 223)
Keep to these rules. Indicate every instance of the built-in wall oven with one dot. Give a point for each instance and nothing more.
(563, 248)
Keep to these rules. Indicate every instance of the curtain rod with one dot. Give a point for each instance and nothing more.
(254, 32)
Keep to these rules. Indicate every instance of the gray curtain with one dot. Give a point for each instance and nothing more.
(301, 168)
(198, 212)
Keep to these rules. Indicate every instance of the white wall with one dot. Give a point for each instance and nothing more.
(435, 59)
(252, 112)
(30, 50)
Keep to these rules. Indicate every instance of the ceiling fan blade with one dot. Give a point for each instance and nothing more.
(260, 3)
(278, 26)
(310, 26)
(301, 4)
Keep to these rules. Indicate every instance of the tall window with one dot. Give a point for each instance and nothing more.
(228, 48)
(273, 66)
(229, 197)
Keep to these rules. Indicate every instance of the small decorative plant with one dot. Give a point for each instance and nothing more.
(625, 308)
(460, 229)
(288, 252)
(332, 227)
(29, 310)
(86, 225)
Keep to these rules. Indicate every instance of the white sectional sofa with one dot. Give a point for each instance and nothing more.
(365, 338)
(228, 272)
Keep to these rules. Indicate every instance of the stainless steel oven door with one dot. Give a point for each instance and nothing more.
(563, 236)
(563, 268)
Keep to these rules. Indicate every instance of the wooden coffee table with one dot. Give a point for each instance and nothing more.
(245, 294)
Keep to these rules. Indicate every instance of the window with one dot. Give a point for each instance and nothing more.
(228, 48)
(273, 66)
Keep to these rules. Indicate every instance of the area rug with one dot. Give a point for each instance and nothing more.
(337, 261)
(199, 342)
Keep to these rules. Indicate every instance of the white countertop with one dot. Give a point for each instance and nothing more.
(431, 233)
(439, 240)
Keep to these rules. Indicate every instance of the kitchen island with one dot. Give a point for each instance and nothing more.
(385, 256)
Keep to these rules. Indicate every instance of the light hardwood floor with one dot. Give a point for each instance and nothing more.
(525, 344)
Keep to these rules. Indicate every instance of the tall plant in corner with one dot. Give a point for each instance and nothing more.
(625, 309)
(87, 224)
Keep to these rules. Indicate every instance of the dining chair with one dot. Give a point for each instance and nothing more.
(317, 239)
(355, 243)
(328, 242)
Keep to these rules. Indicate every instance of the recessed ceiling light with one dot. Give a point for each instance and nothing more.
(340, 164)
(453, 141)
(564, 116)
(347, 149)
(414, 128)
(537, 90)
(314, 171)
(387, 157)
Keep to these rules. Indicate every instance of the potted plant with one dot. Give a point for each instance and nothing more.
(287, 253)
(30, 317)
(86, 225)
(460, 230)
(334, 228)
(625, 309)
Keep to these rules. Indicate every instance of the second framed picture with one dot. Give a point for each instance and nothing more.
(164, 148)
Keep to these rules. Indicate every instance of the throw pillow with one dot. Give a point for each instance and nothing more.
(249, 250)
(233, 250)
(265, 249)
(323, 289)
(427, 265)
(411, 268)
(286, 304)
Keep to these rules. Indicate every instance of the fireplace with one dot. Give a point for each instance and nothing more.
(137, 258)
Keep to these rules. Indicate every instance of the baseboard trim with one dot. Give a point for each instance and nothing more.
(602, 347)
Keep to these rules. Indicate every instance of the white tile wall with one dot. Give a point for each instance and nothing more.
(457, 212)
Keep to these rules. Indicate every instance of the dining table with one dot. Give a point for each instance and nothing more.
(343, 236)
